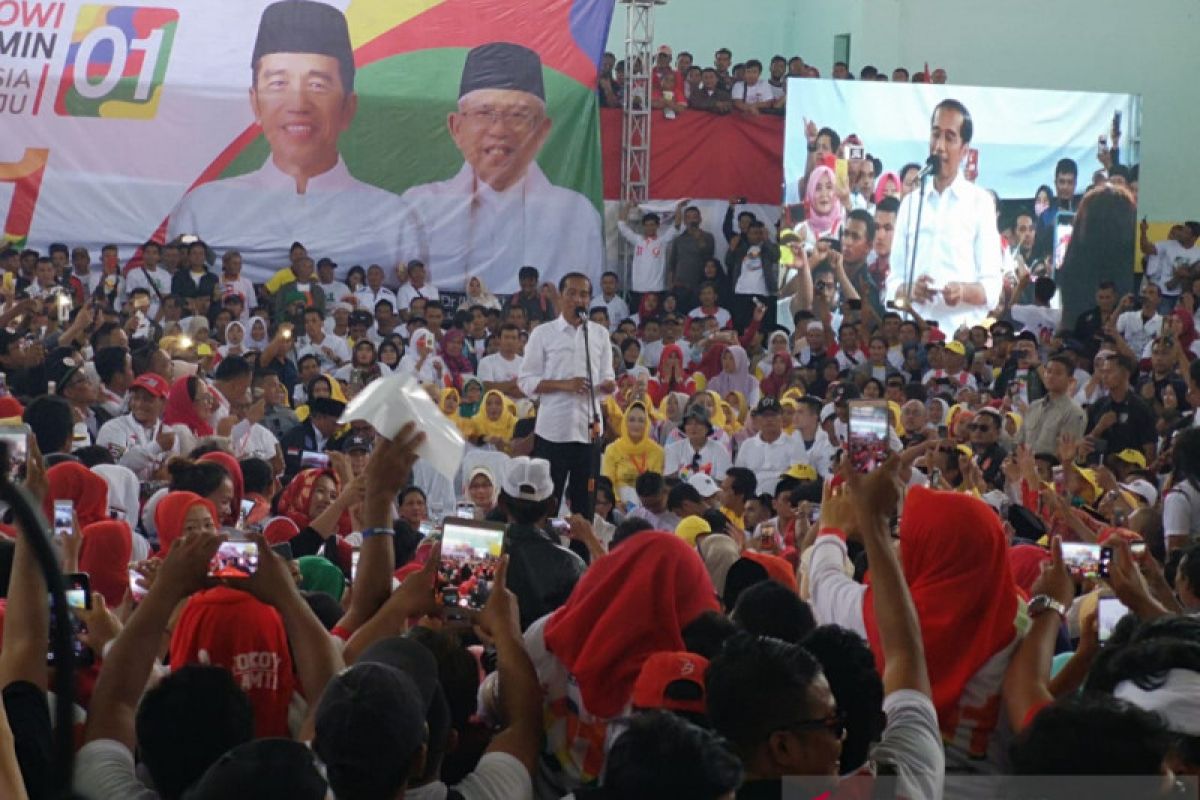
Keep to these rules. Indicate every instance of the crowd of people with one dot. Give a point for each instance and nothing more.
(699, 594)
(745, 87)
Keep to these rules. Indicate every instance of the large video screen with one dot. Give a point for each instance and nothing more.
(1000, 202)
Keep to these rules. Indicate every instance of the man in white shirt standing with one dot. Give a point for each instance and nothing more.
(769, 453)
(416, 287)
(334, 290)
(753, 96)
(648, 272)
(554, 373)
(139, 440)
(367, 297)
(959, 270)
(233, 282)
(501, 370)
(813, 442)
(618, 310)
(697, 454)
(150, 277)
(331, 351)
(1168, 261)
(1140, 326)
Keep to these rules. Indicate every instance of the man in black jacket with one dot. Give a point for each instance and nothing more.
(541, 573)
(316, 434)
(754, 273)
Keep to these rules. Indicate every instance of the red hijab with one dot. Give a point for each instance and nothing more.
(660, 387)
(778, 569)
(773, 385)
(1025, 561)
(170, 513)
(628, 605)
(71, 480)
(710, 363)
(955, 561)
(104, 555)
(297, 497)
(234, 469)
(179, 409)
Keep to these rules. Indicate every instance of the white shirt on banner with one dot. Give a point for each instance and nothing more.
(463, 228)
(555, 351)
(958, 243)
(648, 272)
(260, 214)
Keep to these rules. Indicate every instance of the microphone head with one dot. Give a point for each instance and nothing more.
(934, 162)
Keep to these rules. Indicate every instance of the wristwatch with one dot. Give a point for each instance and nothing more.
(1042, 603)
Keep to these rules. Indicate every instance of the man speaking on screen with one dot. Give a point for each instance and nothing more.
(302, 96)
(500, 212)
(958, 272)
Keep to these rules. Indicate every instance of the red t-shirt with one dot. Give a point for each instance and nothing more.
(229, 628)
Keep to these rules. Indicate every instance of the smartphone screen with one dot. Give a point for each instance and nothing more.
(79, 597)
(311, 460)
(465, 510)
(15, 439)
(1106, 554)
(354, 554)
(1111, 611)
(868, 434)
(137, 586)
(470, 550)
(234, 560)
(1082, 559)
(64, 517)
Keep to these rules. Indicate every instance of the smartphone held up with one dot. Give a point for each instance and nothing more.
(869, 433)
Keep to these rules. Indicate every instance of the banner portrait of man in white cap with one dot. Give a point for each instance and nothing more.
(500, 212)
(302, 95)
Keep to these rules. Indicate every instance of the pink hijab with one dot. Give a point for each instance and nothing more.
(882, 183)
(822, 224)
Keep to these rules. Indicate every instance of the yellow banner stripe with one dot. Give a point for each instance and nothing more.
(368, 19)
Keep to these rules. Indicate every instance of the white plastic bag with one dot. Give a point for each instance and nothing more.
(392, 402)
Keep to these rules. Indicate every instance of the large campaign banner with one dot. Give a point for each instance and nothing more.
(462, 133)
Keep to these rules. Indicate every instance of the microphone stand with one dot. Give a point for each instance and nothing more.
(912, 257)
(595, 426)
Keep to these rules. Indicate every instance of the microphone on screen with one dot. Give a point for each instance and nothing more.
(932, 165)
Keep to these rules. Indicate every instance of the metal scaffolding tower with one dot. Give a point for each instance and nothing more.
(635, 134)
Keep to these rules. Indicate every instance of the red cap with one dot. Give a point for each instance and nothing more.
(279, 530)
(936, 334)
(11, 407)
(672, 681)
(153, 383)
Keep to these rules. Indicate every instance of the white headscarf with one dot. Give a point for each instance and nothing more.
(124, 492)
(224, 349)
(253, 342)
(485, 298)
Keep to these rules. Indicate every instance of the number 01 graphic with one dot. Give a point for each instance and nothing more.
(26, 175)
(116, 62)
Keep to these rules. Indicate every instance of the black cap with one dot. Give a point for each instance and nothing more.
(327, 406)
(502, 65)
(419, 663)
(304, 26)
(61, 366)
(768, 405)
(361, 317)
(357, 441)
(326, 262)
(370, 715)
(270, 769)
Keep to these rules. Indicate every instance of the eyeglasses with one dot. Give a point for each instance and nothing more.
(981, 427)
(835, 724)
(821, 286)
(520, 118)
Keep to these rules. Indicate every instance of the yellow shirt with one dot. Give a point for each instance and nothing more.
(736, 519)
(277, 280)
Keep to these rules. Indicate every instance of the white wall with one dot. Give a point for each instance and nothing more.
(1091, 45)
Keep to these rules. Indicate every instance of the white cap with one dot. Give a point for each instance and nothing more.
(827, 411)
(527, 478)
(1143, 489)
(704, 484)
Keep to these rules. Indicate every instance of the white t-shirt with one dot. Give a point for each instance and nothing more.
(407, 293)
(252, 440)
(336, 345)
(722, 316)
(1181, 511)
(758, 92)
(105, 770)
(1138, 331)
(1042, 320)
(1160, 267)
(496, 369)
(750, 279)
